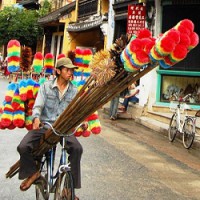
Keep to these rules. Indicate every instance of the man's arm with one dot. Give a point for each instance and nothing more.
(133, 94)
(38, 106)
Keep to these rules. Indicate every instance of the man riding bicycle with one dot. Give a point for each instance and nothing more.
(52, 99)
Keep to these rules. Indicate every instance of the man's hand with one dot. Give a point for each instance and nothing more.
(84, 126)
(36, 123)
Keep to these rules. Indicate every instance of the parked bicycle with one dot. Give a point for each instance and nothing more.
(179, 123)
(60, 182)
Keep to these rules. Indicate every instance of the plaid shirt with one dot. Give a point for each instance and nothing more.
(48, 106)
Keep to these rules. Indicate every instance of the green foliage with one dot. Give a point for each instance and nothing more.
(45, 8)
(19, 24)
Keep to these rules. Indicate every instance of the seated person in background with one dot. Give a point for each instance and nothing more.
(132, 96)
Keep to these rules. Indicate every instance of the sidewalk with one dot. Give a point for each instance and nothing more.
(151, 122)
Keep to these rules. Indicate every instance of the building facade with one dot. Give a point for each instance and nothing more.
(86, 23)
(77, 24)
(183, 77)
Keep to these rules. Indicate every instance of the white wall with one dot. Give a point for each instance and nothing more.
(149, 81)
(111, 24)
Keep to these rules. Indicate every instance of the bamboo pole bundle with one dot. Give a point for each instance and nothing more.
(89, 99)
(109, 77)
(85, 103)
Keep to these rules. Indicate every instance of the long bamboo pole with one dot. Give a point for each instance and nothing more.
(86, 102)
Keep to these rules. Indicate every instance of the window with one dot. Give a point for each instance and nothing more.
(87, 8)
(121, 1)
(172, 14)
(56, 44)
(180, 86)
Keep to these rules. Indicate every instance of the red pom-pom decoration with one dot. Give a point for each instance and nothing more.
(188, 24)
(62, 55)
(179, 53)
(174, 35)
(165, 46)
(135, 45)
(183, 29)
(86, 133)
(96, 130)
(194, 38)
(185, 40)
(143, 33)
(11, 127)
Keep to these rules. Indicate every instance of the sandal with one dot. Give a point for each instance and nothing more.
(112, 118)
(76, 198)
(26, 184)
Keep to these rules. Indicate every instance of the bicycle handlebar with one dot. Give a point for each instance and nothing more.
(180, 99)
(57, 132)
(186, 96)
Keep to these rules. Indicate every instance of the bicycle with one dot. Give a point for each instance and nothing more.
(185, 125)
(59, 183)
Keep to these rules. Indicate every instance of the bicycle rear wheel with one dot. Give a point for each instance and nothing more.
(188, 132)
(64, 187)
(172, 128)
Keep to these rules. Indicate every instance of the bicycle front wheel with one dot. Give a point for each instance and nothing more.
(41, 189)
(188, 132)
(64, 187)
(172, 128)
(41, 185)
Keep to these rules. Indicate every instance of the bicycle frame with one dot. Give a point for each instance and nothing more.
(51, 183)
(64, 165)
(182, 124)
(177, 112)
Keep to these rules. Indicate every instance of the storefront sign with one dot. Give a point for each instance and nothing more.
(136, 18)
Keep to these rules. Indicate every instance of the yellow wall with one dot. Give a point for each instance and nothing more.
(66, 39)
(8, 3)
(104, 6)
(89, 38)
(86, 39)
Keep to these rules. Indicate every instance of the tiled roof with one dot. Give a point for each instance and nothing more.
(55, 15)
(30, 4)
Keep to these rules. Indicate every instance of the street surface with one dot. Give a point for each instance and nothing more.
(125, 162)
